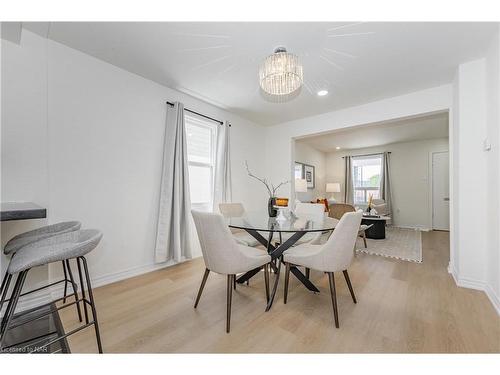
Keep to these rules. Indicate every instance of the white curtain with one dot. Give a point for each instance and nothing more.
(348, 182)
(385, 183)
(172, 235)
(222, 175)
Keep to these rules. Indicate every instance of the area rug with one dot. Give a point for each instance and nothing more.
(399, 243)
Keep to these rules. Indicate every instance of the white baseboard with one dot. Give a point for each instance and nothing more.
(57, 291)
(494, 299)
(477, 285)
(31, 300)
(471, 284)
(415, 227)
(45, 296)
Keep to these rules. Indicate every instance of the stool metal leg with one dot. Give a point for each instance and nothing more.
(92, 304)
(82, 287)
(5, 288)
(4, 282)
(75, 289)
(9, 305)
(7, 319)
(65, 281)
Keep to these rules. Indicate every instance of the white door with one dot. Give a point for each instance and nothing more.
(440, 191)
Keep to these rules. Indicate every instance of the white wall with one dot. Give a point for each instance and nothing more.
(409, 178)
(476, 262)
(280, 138)
(493, 169)
(309, 155)
(24, 149)
(105, 131)
(470, 116)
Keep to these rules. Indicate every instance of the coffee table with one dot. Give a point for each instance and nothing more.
(377, 229)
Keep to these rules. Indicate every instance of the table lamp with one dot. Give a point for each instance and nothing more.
(333, 187)
(300, 186)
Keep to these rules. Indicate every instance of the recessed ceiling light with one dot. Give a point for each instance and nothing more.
(337, 148)
(322, 92)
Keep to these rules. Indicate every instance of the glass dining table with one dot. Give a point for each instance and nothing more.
(264, 229)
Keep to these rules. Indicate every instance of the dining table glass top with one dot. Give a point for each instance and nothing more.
(260, 221)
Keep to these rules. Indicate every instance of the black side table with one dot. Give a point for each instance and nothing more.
(377, 229)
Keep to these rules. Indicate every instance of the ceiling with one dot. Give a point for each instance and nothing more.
(413, 129)
(218, 62)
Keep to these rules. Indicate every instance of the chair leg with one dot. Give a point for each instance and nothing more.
(5, 288)
(92, 304)
(203, 281)
(266, 280)
(75, 289)
(4, 283)
(65, 281)
(346, 276)
(11, 307)
(333, 293)
(287, 278)
(308, 272)
(229, 298)
(364, 239)
(82, 287)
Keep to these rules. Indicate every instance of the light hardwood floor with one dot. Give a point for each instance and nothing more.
(402, 307)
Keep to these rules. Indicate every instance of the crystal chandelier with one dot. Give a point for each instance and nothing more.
(280, 75)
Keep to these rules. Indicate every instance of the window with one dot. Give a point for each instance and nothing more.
(366, 172)
(201, 161)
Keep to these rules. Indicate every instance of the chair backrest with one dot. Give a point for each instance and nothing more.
(310, 209)
(231, 209)
(220, 250)
(337, 252)
(337, 210)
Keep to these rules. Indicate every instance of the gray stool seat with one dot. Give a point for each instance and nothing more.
(38, 234)
(56, 248)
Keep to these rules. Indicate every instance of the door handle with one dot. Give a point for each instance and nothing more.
(446, 199)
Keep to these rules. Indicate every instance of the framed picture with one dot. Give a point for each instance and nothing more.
(309, 176)
(299, 170)
(305, 171)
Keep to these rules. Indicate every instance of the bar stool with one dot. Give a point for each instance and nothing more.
(63, 247)
(26, 238)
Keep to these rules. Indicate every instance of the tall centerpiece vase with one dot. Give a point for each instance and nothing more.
(271, 189)
(271, 203)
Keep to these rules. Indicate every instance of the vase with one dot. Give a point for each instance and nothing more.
(270, 207)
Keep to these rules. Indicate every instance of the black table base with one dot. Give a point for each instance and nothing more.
(377, 230)
(276, 252)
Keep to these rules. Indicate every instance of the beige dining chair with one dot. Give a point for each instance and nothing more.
(337, 210)
(335, 255)
(309, 211)
(223, 255)
(229, 210)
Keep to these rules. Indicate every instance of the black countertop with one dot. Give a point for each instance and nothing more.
(21, 211)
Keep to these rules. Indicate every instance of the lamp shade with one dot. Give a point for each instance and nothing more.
(333, 187)
(300, 185)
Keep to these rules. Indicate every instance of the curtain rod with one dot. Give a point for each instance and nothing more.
(199, 114)
(376, 153)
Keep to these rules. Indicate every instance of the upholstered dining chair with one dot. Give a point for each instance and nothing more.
(337, 210)
(229, 210)
(335, 255)
(312, 211)
(223, 255)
